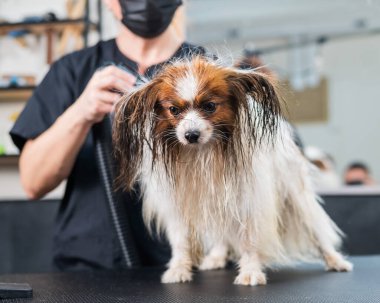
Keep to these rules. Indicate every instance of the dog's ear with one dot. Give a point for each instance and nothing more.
(133, 119)
(257, 101)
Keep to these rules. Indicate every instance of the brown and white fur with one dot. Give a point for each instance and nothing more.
(219, 171)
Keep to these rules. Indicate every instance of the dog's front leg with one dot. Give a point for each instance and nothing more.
(180, 264)
(250, 269)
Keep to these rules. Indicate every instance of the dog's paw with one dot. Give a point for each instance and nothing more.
(336, 262)
(251, 278)
(176, 275)
(213, 262)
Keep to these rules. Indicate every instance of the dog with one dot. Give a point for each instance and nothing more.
(219, 171)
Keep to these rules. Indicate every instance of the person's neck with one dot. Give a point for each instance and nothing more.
(148, 52)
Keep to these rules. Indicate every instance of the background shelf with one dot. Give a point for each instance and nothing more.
(16, 93)
(9, 160)
(44, 26)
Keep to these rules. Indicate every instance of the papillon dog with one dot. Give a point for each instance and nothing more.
(219, 171)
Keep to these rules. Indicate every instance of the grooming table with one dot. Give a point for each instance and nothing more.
(305, 283)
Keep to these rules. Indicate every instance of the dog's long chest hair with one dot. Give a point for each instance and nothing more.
(217, 163)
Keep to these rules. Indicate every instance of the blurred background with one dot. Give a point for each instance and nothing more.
(325, 54)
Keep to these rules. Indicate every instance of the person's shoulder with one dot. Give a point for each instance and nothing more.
(91, 52)
(192, 49)
(86, 55)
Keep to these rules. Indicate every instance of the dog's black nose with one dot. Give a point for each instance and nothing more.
(192, 136)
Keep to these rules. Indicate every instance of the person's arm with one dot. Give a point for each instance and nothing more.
(48, 159)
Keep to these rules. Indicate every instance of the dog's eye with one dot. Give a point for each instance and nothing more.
(175, 111)
(209, 107)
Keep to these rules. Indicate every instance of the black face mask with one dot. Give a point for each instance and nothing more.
(355, 182)
(148, 18)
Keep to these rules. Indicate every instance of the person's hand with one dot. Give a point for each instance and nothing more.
(102, 92)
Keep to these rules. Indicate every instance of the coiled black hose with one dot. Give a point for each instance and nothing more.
(118, 211)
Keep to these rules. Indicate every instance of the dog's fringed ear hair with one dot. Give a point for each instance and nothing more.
(133, 118)
(255, 94)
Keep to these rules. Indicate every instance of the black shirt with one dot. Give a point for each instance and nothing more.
(84, 236)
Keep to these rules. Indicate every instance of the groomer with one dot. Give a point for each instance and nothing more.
(54, 134)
